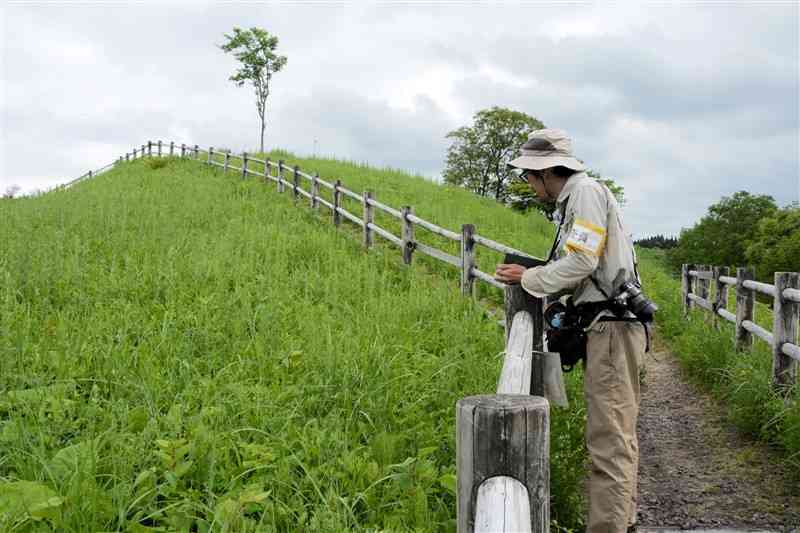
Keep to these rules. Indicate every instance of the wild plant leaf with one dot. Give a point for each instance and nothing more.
(449, 482)
(22, 499)
(72, 458)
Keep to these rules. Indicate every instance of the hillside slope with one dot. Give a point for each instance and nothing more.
(182, 349)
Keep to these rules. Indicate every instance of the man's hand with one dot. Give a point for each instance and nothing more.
(509, 273)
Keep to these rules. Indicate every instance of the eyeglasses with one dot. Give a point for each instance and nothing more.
(523, 176)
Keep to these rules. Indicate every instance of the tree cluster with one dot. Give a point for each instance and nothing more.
(657, 241)
(743, 229)
(478, 157)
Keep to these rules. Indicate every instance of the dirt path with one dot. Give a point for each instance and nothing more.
(695, 469)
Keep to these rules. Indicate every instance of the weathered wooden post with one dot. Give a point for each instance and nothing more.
(280, 175)
(705, 292)
(134, 153)
(127, 157)
(686, 285)
(467, 259)
(244, 165)
(368, 216)
(517, 299)
(172, 148)
(196, 151)
(315, 191)
(745, 301)
(150, 148)
(266, 170)
(337, 202)
(720, 292)
(784, 330)
(183, 150)
(210, 155)
(143, 149)
(408, 235)
(90, 174)
(226, 162)
(702, 282)
(159, 148)
(503, 463)
(296, 183)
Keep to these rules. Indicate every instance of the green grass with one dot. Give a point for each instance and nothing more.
(184, 350)
(742, 381)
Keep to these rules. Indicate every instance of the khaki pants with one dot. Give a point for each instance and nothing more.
(615, 352)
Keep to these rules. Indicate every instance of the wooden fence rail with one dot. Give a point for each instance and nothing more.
(785, 293)
(503, 440)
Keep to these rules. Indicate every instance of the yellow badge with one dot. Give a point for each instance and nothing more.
(586, 237)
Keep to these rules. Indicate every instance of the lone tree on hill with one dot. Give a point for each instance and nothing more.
(255, 50)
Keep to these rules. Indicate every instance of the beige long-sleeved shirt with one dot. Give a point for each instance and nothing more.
(593, 243)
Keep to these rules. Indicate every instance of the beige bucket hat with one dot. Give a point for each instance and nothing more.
(547, 148)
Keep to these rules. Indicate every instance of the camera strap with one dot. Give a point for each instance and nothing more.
(558, 231)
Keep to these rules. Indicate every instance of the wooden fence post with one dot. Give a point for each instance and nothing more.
(745, 300)
(127, 157)
(244, 165)
(266, 170)
(144, 146)
(337, 202)
(227, 160)
(784, 329)
(296, 183)
(720, 292)
(159, 148)
(315, 191)
(686, 285)
(196, 151)
(703, 289)
(172, 148)
(90, 174)
(150, 148)
(467, 259)
(183, 150)
(210, 155)
(368, 216)
(517, 299)
(503, 463)
(280, 175)
(408, 235)
(703, 284)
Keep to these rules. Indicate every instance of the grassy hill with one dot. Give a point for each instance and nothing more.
(183, 350)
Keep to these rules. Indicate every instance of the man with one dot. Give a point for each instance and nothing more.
(591, 256)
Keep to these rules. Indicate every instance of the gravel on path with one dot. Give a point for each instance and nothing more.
(695, 469)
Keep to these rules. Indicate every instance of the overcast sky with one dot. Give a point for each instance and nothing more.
(680, 104)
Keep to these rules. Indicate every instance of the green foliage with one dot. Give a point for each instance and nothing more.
(477, 158)
(775, 246)
(523, 198)
(722, 236)
(255, 49)
(657, 241)
(742, 381)
(184, 350)
(154, 163)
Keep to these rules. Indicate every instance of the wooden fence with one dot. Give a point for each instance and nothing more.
(503, 440)
(785, 292)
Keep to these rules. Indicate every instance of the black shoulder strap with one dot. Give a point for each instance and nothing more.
(558, 231)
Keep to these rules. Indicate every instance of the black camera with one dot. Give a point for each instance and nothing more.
(630, 296)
